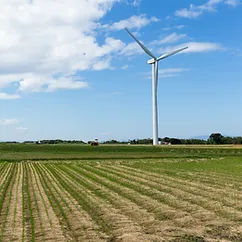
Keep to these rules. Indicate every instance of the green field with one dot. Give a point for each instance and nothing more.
(120, 193)
(14, 152)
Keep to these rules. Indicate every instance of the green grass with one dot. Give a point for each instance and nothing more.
(143, 188)
(18, 152)
(225, 165)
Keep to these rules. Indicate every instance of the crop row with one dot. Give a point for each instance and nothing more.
(144, 201)
(95, 201)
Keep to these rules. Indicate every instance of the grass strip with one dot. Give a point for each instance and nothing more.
(29, 207)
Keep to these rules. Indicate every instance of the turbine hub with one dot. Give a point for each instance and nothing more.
(151, 61)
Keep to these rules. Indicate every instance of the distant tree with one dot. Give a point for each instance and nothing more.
(227, 140)
(133, 141)
(175, 141)
(144, 141)
(167, 139)
(215, 138)
(193, 141)
(28, 142)
(237, 140)
(111, 142)
(59, 141)
(198, 141)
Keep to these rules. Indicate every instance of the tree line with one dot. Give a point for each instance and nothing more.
(214, 138)
(58, 141)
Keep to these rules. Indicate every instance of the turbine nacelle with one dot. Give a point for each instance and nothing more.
(151, 61)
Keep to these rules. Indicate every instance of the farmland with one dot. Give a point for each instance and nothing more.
(120, 193)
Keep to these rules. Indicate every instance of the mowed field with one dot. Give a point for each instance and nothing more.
(120, 193)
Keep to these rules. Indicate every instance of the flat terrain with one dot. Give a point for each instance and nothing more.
(120, 193)
(14, 152)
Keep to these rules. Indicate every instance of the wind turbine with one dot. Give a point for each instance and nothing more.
(154, 62)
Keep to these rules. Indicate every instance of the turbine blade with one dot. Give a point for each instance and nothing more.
(141, 45)
(171, 53)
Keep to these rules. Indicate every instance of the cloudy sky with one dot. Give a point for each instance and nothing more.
(69, 70)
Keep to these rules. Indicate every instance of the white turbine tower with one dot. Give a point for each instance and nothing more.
(154, 61)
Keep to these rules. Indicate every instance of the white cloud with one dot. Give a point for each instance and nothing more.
(136, 2)
(40, 54)
(171, 38)
(195, 11)
(44, 83)
(170, 72)
(233, 3)
(174, 27)
(7, 96)
(189, 13)
(105, 133)
(115, 93)
(5, 122)
(166, 73)
(125, 67)
(101, 65)
(134, 22)
(22, 129)
(66, 83)
(5, 80)
(35, 48)
(131, 49)
(195, 47)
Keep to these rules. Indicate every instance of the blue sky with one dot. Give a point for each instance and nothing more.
(76, 74)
